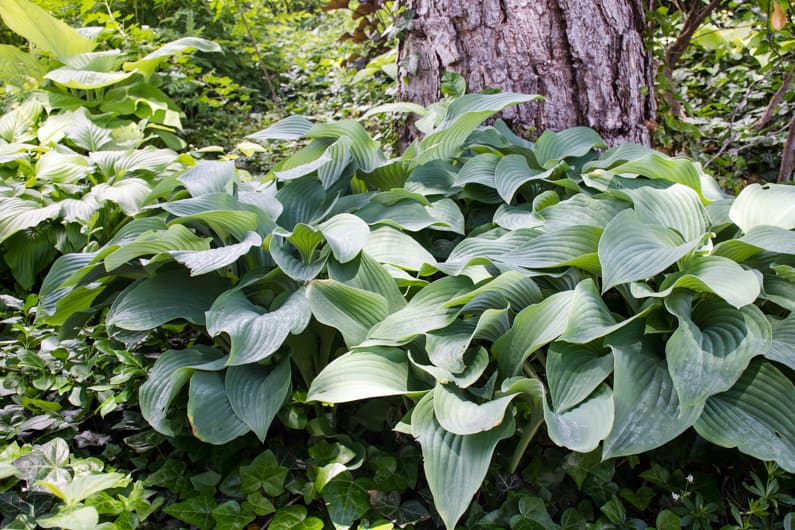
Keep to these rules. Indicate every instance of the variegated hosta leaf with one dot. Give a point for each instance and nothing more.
(17, 125)
(361, 374)
(647, 411)
(255, 333)
(130, 194)
(85, 79)
(351, 311)
(454, 465)
(711, 274)
(712, 345)
(18, 214)
(632, 250)
(756, 415)
(167, 377)
(177, 294)
(256, 393)
(756, 205)
(426, 311)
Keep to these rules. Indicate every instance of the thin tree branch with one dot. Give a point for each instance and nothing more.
(674, 51)
(788, 159)
(261, 62)
(775, 100)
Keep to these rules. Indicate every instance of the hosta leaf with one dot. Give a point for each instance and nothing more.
(339, 154)
(455, 465)
(224, 214)
(209, 176)
(82, 518)
(426, 311)
(447, 216)
(480, 169)
(130, 194)
(476, 363)
(62, 168)
(362, 374)
(533, 327)
(87, 134)
(18, 67)
(631, 250)
(387, 245)
(363, 272)
(432, 178)
(203, 261)
(575, 142)
(85, 79)
(27, 254)
(364, 150)
(571, 245)
(756, 205)
(458, 415)
(290, 128)
(210, 414)
(582, 428)
(299, 171)
(574, 372)
(515, 217)
(463, 116)
(712, 346)
(304, 200)
(351, 311)
(712, 274)
(516, 287)
(256, 334)
(150, 302)
(167, 377)
(782, 349)
(487, 247)
(658, 166)
(43, 30)
(677, 207)
(18, 125)
(647, 412)
(18, 214)
(406, 215)
(755, 415)
(346, 235)
(83, 486)
(447, 346)
(146, 66)
(511, 172)
(758, 238)
(580, 210)
(590, 317)
(291, 263)
(256, 393)
(176, 237)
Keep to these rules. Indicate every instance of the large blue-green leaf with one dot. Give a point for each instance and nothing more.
(580, 209)
(150, 302)
(43, 30)
(351, 311)
(711, 274)
(516, 287)
(574, 372)
(631, 250)
(458, 414)
(27, 254)
(211, 416)
(656, 165)
(224, 214)
(757, 239)
(346, 235)
(365, 273)
(647, 411)
(575, 142)
(362, 374)
(677, 207)
(454, 465)
(290, 128)
(175, 238)
(756, 205)
(590, 318)
(568, 246)
(130, 194)
(757, 415)
(203, 261)
(256, 393)
(364, 150)
(782, 349)
(447, 346)
(387, 245)
(18, 214)
(712, 345)
(511, 172)
(167, 377)
(533, 327)
(426, 311)
(209, 176)
(582, 427)
(480, 169)
(255, 333)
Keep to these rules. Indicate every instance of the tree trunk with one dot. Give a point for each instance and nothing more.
(586, 57)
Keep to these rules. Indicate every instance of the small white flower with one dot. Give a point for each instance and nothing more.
(675, 496)
(689, 478)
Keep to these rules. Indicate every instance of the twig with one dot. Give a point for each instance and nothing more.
(261, 62)
(788, 159)
(674, 51)
(775, 100)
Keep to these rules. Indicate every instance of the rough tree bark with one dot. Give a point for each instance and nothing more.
(587, 57)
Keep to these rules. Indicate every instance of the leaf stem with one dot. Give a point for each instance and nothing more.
(528, 433)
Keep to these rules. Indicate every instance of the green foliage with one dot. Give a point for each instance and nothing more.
(474, 275)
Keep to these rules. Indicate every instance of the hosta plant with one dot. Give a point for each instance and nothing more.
(615, 297)
(76, 153)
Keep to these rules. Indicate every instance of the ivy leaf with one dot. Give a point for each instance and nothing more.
(229, 516)
(294, 518)
(197, 511)
(264, 472)
(346, 499)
